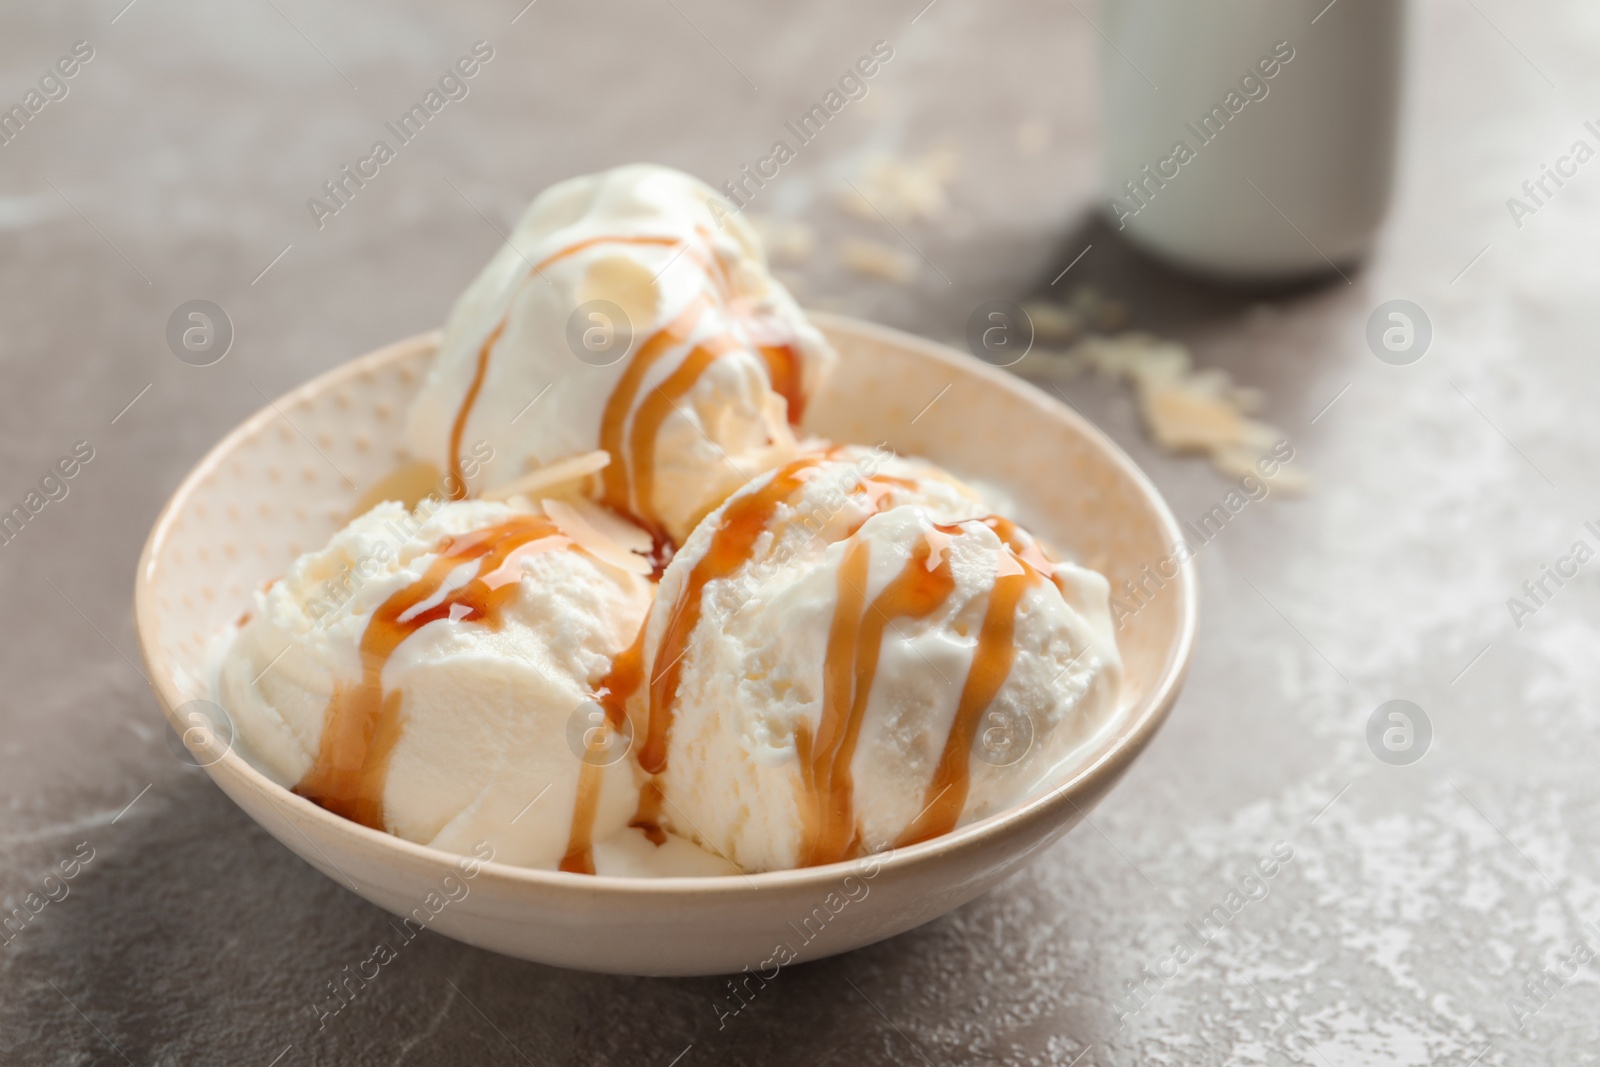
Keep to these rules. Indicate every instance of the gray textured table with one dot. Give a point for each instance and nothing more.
(1419, 900)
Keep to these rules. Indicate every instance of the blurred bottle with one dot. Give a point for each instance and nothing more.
(1243, 139)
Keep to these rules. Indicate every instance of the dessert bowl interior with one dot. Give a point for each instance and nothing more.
(285, 480)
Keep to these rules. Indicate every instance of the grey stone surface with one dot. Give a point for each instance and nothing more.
(1419, 898)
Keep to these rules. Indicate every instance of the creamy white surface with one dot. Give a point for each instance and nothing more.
(729, 427)
(754, 668)
(486, 712)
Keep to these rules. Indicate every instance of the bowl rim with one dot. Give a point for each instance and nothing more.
(1130, 732)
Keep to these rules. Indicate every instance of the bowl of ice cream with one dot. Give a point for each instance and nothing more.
(642, 623)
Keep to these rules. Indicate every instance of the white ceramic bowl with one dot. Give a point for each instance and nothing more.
(265, 494)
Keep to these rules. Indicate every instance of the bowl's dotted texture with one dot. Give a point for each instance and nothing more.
(281, 485)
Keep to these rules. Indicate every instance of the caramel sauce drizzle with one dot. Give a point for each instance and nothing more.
(458, 485)
(855, 641)
(1027, 550)
(783, 370)
(824, 800)
(579, 857)
(648, 817)
(779, 351)
(619, 491)
(626, 672)
(628, 484)
(991, 665)
(731, 546)
(614, 419)
(742, 524)
(363, 722)
(458, 428)
(652, 413)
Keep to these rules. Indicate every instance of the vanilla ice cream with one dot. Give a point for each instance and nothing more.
(430, 673)
(629, 312)
(847, 651)
(852, 653)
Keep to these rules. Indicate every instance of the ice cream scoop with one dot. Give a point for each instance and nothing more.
(629, 311)
(428, 673)
(851, 653)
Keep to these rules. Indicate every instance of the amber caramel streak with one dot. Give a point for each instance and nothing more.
(653, 411)
(742, 523)
(464, 412)
(648, 817)
(779, 351)
(627, 670)
(458, 487)
(855, 642)
(616, 481)
(783, 370)
(731, 545)
(622, 681)
(854, 645)
(628, 484)
(579, 857)
(1026, 549)
(362, 722)
(712, 264)
(991, 664)
(824, 810)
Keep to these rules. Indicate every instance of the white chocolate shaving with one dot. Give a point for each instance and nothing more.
(587, 537)
(632, 537)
